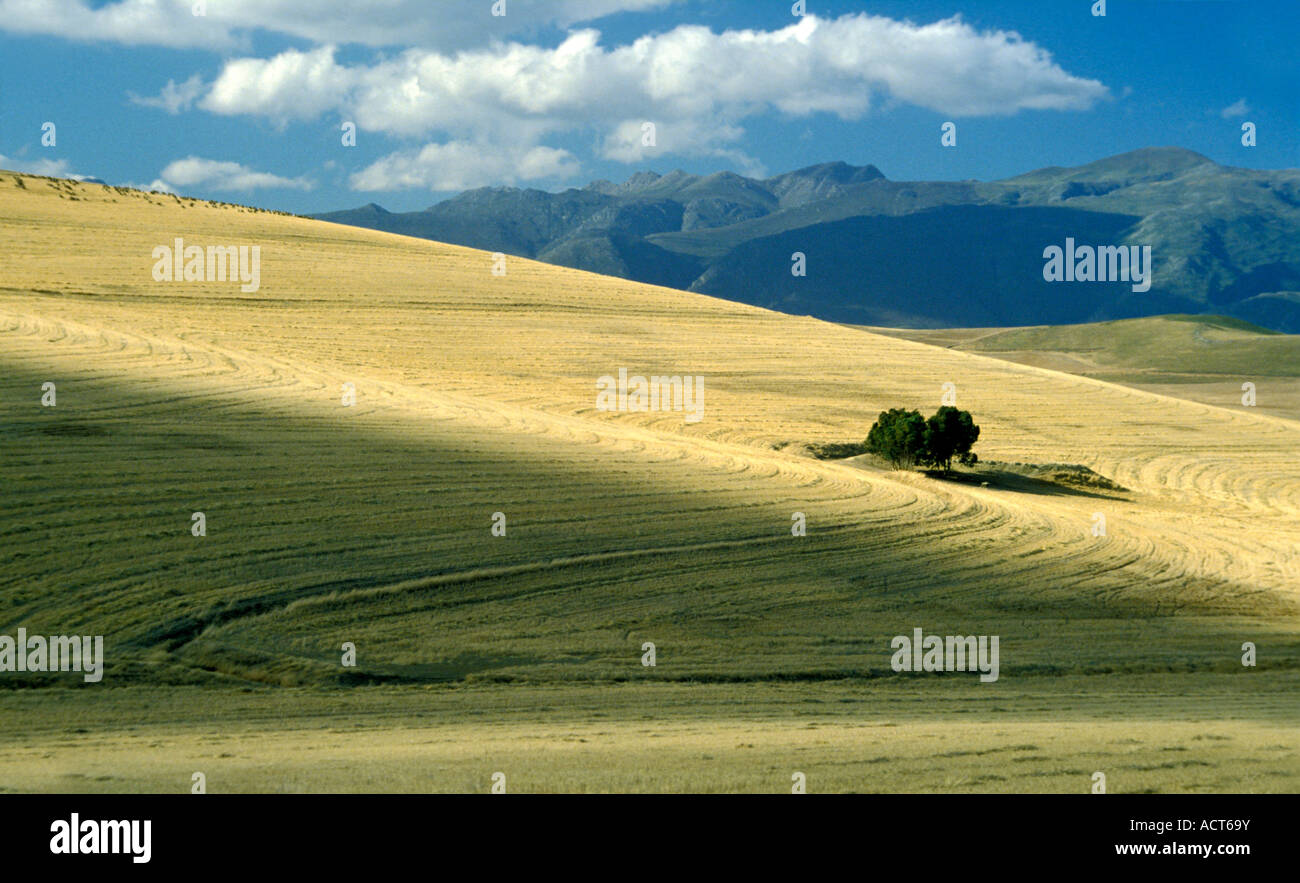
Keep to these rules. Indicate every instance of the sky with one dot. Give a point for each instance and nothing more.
(248, 101)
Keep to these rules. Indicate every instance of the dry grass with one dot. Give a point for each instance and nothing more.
(844, 737)
(476, 394)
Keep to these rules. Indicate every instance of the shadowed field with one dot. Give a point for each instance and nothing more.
(475, 394)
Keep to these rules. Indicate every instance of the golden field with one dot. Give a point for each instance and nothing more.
(1207, 359)
(475, 394)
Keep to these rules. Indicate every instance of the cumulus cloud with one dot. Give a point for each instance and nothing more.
(130, 22)
(1238, 108)
(460, 165)
(293, 85)
(51, 168)
(635, 141)
(696, 85)
(210, 174)
(227, 23)
(158, 185)
(690, 72)
(486, 112)
(174, 98)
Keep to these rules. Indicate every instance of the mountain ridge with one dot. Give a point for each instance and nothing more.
(1224, 238)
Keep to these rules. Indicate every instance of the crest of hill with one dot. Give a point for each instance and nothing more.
(1175, 344)
(77, 189)
(1137, 166)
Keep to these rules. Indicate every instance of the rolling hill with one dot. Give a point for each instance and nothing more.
(371, 524)
(1202, 358)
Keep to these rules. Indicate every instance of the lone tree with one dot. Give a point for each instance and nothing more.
(898, 435)
(905, 438)
(949, 433)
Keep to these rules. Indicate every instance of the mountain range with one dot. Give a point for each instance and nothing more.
(1223, 240)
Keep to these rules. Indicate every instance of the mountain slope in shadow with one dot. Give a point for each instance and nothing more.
(1223, 240)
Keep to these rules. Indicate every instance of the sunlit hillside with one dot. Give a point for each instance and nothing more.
(1207, 359)
(475, 394)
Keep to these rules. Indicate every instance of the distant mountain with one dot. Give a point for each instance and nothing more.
(912, 254)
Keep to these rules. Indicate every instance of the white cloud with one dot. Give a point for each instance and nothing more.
(696, 85)
(227, 23)
(158, 184)
(462, 165)
(1237, 109)
(209, 174)
(51, 168)
(130, 22)
(486, 112)
(293, 85)
(627, 143)
(173, 98)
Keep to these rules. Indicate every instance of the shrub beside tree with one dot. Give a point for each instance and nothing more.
(905, 438)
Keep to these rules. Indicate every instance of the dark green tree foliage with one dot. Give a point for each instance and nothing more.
(905, 438)
(949, 433)
(898, 435)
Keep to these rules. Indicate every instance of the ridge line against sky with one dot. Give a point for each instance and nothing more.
(248, 102)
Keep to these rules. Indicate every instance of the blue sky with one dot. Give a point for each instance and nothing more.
(246, 103)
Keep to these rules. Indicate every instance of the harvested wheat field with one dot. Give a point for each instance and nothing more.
(475, 394)
(1210, 359)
